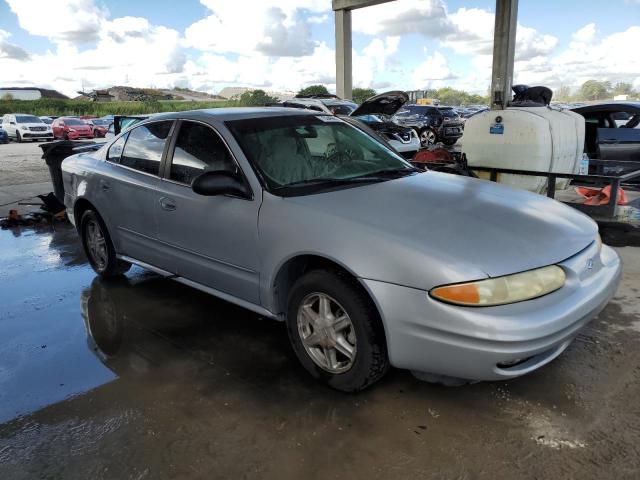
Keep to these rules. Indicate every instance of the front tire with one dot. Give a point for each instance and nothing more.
(18, 137)
(427, 137)
(335, 331)
(99, 247)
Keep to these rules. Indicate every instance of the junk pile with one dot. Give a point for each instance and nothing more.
(52, 210)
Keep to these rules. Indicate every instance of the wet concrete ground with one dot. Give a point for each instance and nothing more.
(144, 378)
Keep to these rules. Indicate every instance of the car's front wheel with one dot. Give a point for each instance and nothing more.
(427, 137)
(336, 331)
(18, 137)
(98, 246)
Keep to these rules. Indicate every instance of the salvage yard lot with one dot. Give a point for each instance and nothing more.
(23, 174)
(146, 378)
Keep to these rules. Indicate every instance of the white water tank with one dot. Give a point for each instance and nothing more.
(525, 138)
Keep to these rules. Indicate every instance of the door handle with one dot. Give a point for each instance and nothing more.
(167, 204)
(104, 186)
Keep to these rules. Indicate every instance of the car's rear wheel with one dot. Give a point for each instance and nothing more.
(335, 331)
(427, 137)
(98, 246)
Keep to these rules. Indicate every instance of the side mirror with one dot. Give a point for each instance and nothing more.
(220, 183)
(12, 123)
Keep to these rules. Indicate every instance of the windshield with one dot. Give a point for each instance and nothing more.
(27, 119)
(370, 118)
(301, 150)
(343, 109)
(73, 121)
(448, 112)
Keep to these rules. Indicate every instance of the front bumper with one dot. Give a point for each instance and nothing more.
(79, 135)
(36, 135)
(425, 335)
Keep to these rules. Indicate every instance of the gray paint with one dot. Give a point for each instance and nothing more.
(400, 238)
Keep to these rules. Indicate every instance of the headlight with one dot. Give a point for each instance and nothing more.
(503, 290)
(72, 129)
(24, 127)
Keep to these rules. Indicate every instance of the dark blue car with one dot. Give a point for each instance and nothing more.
(4, 138)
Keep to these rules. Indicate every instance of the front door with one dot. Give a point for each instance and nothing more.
(211, 240)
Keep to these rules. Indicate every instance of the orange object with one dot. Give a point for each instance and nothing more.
(463, 293)
(600, 196)
(437, 155)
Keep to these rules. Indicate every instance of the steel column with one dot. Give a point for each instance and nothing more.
(504, 47)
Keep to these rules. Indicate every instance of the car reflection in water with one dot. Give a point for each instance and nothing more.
(141, 323)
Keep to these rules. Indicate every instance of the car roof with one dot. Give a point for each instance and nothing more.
(234, 113)
(629, 107)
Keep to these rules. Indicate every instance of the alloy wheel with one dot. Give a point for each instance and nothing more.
(96, 244)
(327, 333)
(427, 137)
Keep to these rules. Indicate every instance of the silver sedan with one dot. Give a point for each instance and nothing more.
(306, 218)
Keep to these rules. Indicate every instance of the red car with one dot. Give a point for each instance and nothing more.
(71, 128)
(99, 125)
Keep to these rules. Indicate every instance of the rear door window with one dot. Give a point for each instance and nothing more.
(144, 147)
(198, 149)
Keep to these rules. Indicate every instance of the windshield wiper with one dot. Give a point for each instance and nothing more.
(390, 173)
(328, 181)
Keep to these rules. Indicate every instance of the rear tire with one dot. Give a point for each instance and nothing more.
(427, 137)
(99, 247)
(345, 347)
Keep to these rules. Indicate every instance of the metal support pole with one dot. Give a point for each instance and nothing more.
(504, 47)
(344, 82)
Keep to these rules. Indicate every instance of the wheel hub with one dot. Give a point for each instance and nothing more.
(327, 333)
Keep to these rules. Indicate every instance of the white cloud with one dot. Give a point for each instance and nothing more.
(432, 72)
(245, 27)
(9, 50)
(59, 20)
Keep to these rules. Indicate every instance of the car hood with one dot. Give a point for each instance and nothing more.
(387, 103)
(470, 227)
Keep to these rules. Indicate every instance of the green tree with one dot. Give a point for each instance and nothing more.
(595, 90)
(256, 98)
(622, 88)
(313, 90)
(562, 94)
(7, 96)
(359, 95)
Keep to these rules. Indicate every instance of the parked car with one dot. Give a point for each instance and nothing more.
(322, 103)
(433, 124)
(99, 126)
(376, 113)
(4, 137)
(70, 128)
(302, 217)
(23, 127)
(612, 130)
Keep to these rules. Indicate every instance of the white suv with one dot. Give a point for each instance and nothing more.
(22, 127)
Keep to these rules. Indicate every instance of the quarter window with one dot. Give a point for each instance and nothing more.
(115, 150)
(144, 147)
(198, 149)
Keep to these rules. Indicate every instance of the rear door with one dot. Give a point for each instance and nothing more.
(210, 240)
(619, 143)
(127, 190)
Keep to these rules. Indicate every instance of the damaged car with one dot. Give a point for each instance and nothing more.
(376, 112)
(432, 123)
(612, 130)
(302, 217)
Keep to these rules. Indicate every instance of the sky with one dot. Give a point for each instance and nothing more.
(284, 45)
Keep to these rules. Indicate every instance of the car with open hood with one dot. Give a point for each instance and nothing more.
(376, 112)
(432, 123)
(302, 217)
(22, 127)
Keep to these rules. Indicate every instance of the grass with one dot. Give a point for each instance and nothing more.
(99, 109)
